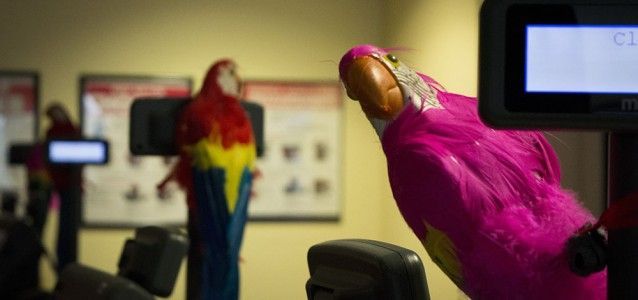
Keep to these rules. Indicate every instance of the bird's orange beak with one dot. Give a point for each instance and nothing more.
(368, 81)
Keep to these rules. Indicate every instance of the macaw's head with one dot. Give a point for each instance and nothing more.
(381, 82)
(221, 80)
(369, 80)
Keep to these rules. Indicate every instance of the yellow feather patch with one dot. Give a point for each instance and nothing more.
(443, 252)
(208, 154)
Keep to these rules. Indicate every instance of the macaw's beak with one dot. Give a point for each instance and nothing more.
(368, 81)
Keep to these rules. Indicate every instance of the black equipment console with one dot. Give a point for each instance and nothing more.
(559, 64)
(571, 64)
(364, 269)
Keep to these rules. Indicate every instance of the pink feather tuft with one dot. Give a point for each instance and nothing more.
(362, 50)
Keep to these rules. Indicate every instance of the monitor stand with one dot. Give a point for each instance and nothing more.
(622, 259)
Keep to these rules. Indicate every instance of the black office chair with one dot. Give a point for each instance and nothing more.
(364, 269)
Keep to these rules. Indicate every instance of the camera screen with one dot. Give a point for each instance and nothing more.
(581, 59)
(77, 152)
(559, 64)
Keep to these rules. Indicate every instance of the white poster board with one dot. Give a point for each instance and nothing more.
(123, 193)
(18, 125)
(301, 166)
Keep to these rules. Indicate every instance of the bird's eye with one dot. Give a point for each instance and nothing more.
(393, 60)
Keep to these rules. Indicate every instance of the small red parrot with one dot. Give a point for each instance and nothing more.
(217, 157)
(486, 204)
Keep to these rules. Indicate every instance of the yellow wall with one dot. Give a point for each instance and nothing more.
(271, 39)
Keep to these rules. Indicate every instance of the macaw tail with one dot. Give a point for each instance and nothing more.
(221, 231)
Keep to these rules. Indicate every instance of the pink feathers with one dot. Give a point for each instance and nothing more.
(495, 195)
(354, 53)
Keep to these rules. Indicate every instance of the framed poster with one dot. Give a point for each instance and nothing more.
(123, 193)
(19, 93)
(301, 165)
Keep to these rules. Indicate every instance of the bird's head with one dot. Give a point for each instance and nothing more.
(221, 80)
(381, 83)
(57, 113)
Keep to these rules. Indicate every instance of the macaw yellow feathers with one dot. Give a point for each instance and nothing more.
(208, 154)
(442, 251)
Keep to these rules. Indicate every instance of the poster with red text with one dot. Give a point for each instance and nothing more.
(301, 165)
(123, 193)
(18, 125)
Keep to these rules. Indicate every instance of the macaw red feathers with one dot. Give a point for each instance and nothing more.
(214, 114)
(215, 86)
(216, 110)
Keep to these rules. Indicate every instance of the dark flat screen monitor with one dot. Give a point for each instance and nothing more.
(559, 64)
(154, 120)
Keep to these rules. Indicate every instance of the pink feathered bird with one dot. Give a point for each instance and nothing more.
(486, 204)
